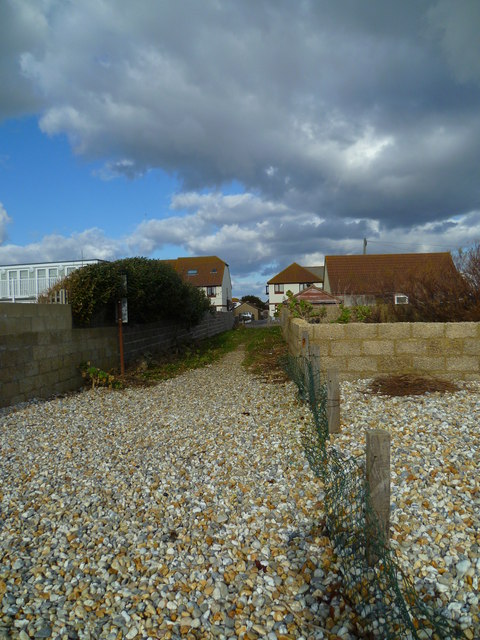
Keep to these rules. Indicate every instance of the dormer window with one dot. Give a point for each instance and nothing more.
(213, 270)
(192, 272)
(400, 298)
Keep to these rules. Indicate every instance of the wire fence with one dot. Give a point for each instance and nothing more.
(383, 596)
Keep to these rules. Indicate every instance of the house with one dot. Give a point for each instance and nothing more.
(295, 279)
(25, 282)
(363, 279)
(245, 308)
(210, 274)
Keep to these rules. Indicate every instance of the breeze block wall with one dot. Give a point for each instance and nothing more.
(161, 336)
(450, 350)
(40, 352)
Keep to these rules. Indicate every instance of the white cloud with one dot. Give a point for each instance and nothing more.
(89, 244)
(4, 221)
(250, 248)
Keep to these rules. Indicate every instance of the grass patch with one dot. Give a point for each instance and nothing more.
(265, 351)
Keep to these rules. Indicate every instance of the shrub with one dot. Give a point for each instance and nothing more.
(304, 309)
(345, 315)
(154, 292)
(99, 378)
(439, 297)
(362, 313)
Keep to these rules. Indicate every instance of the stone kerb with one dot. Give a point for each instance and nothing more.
(359, 350)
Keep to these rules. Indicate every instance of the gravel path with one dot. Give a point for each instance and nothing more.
(187, 510)
(182, 510)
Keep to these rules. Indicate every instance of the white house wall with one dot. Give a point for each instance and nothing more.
(223, 294)
(277, 298)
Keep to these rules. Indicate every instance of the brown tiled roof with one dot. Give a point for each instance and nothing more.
(314, 295)
(209, 270)
(295, 273)
(382, 273)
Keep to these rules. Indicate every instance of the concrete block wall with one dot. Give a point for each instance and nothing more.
(140, 339)
(40, 352)
(448, 350)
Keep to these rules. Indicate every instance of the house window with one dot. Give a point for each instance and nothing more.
(192, 272)
(211, 292)
(401, 299)
(279, 288)
(304, 285)
(214, 270)
(266, 290)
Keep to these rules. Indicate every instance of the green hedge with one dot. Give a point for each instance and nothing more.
(154, 292)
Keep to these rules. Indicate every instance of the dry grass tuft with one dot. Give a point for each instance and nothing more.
(410, 384)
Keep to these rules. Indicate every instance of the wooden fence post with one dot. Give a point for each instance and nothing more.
(378, 489)
(333, 401)
(305, 358)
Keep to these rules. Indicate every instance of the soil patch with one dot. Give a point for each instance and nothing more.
(410, 384)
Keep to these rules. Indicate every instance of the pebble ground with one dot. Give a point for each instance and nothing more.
(181, 510)
(435, 489)
(187, 510)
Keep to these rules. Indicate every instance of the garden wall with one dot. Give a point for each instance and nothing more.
(40, 352)
(450, 350)
(140, 339)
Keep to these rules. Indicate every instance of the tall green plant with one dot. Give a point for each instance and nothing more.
(154, 292)
(304, 309)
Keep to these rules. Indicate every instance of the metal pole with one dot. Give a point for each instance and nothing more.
(120, 337)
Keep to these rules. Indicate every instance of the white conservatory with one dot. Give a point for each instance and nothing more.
(25, 282)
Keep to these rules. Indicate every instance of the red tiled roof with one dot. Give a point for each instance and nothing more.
(295, 273)
(314, 295)
(381, 273)
(203, 271)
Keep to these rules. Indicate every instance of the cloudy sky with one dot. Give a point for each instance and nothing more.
(262, 131)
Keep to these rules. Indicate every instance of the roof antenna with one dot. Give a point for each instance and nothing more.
(364, 246)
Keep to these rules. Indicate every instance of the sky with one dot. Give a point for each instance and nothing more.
(261, 131)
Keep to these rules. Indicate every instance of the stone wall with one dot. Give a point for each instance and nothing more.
(40, 352)
(450, 350)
